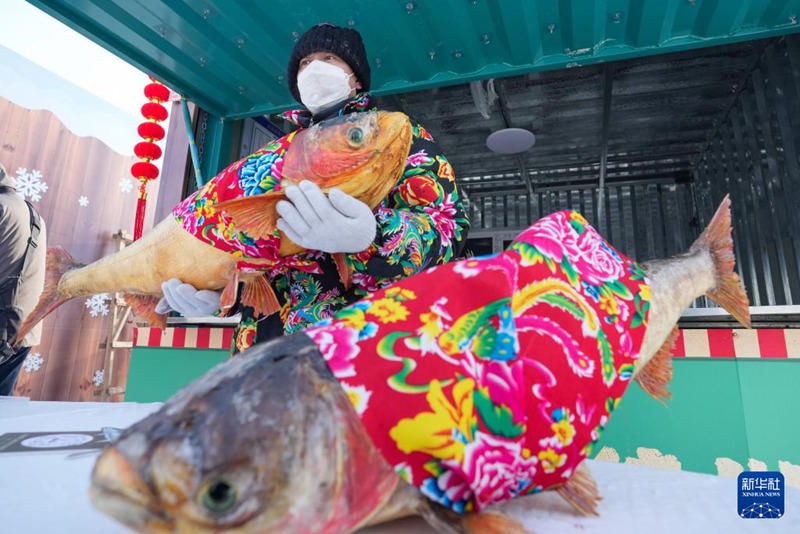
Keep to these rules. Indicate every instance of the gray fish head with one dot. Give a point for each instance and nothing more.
(249, 447)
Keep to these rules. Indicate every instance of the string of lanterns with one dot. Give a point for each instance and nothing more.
(148, 151)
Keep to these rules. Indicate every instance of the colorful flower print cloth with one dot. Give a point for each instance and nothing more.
(493, 377)
(420, 223)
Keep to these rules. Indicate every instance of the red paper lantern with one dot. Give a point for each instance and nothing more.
(144, 170)
(154, 112)
(151, 131)
(156, 92)
(147, 151)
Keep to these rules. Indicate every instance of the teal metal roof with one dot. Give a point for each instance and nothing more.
(229, 56)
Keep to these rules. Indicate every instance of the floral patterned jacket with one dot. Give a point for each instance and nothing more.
(421, 223)
(499, 382)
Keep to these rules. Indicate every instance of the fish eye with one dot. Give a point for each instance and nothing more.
(219, 496)
(355, 136)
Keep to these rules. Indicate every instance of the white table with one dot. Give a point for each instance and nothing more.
(42, 493)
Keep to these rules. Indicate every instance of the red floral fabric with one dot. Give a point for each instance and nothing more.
(493, 377)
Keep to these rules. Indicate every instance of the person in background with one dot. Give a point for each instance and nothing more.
(421, 222)
(22, 268)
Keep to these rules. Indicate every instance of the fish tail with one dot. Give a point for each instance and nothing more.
(728, 291)
(492, 523)
(258, 294)
(144, 306)
(656, 375)
(59, 261)
(445, 520)
(581, 491)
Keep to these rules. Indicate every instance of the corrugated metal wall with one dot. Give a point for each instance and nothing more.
(643, 220)
(752, 154)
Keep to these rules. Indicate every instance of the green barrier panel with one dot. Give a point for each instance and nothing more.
(771, 398)
(720, 409)
(157, 373)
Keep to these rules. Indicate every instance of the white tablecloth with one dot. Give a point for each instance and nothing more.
(47, 493)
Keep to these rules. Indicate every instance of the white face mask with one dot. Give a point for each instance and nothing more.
(321, 85)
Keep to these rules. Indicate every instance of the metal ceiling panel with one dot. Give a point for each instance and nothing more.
(663, 109)
(229, 56)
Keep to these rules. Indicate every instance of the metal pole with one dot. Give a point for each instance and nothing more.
(187, 120)
(608, 80)
(523, 169)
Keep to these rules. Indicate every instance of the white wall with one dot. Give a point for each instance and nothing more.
(46, 65)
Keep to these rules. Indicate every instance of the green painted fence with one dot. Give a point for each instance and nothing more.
(156, 373)
(721, 408)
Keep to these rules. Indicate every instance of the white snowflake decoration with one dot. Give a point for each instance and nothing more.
(83, 201)
(126, 185)
(33, 362)
(97, 304)
(30, 184)
(97, 379)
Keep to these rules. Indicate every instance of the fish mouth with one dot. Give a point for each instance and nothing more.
(119, 491)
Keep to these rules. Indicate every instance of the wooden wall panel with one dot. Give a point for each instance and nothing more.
(72, 167)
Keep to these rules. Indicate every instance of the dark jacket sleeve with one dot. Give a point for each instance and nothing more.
(421, 222)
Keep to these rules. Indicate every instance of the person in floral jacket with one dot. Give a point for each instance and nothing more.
(421, 222)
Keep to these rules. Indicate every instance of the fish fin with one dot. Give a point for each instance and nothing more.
(258, 294)
(581, 491)
(228, 297)
(144, 306)
(289, 247)
(59, 261)
(656, 375)
(255, 215)
(486, 522)
(345, 273)
(728, 292)
(493, 523)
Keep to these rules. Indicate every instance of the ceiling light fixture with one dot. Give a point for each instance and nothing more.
(510, 141)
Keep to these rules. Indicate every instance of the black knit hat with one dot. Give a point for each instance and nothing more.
(326, 37)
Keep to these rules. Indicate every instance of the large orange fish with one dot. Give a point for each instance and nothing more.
(361, 154)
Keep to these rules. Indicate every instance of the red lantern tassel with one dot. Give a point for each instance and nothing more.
(141, 206)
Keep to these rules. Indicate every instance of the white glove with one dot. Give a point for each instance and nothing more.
(186, 300)
(336, 223)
